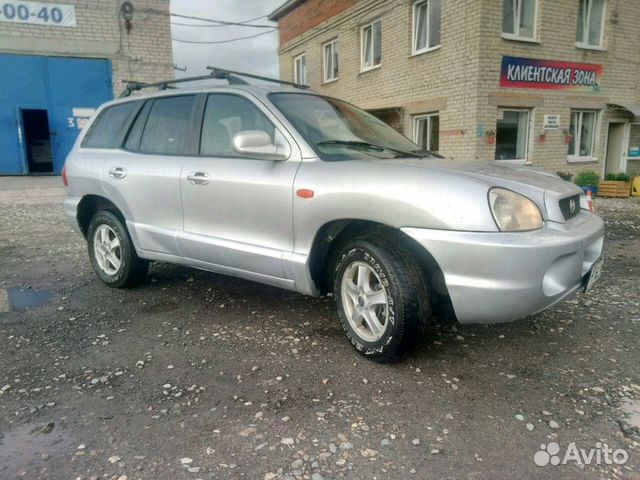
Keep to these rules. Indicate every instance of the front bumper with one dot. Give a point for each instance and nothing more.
(500, 277)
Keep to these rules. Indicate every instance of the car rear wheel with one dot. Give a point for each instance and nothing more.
(111, 251)
(381, 297)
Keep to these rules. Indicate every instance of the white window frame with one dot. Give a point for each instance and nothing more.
(516, 27)
(585, 32)
(363, 67)
(429, 118)
(296, 59)
(596, 129)
(414, 37)
(527, 142)
(626, 154)
(626, 144)
(333, 45)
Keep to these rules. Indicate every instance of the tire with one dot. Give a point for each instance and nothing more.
(106, 227)
(390, 274)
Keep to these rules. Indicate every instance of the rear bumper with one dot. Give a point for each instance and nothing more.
(70, 206)
(500, 277)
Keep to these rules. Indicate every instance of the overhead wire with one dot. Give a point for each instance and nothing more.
(216, 23)
(244, 23)
(229, 40)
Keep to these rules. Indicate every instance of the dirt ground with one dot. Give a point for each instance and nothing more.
(198, 376)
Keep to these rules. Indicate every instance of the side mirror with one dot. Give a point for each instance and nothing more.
(258, 143)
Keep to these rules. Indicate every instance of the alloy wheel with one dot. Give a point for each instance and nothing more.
(107, 249)
(365, 301)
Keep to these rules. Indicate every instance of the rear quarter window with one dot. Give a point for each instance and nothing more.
(108, 129)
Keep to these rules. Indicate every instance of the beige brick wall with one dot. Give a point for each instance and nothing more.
(556, 41)
(461, 80)
(419, 84)
(145, 54)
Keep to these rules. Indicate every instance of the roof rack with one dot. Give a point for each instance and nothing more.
(231, 76)
(224, 71)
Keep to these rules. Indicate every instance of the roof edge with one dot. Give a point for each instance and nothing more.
(633, 108)
(283, 9)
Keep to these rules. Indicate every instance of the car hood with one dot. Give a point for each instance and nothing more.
(516, 174)
(500, 174)
(544, 188)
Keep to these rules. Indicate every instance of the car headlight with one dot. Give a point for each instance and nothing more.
(513, 212)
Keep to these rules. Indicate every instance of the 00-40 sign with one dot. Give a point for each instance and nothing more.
(22, 12)
(38, 13)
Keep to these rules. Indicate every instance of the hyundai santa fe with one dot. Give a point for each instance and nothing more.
(297, 190)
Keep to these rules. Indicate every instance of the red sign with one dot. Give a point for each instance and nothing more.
(550, 74)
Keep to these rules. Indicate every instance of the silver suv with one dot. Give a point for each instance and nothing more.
(305, 192)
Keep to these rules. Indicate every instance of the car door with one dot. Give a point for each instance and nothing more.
(238, 207)
(143, 178)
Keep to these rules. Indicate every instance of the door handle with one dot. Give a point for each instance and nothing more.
(198, 178)
(118, 173)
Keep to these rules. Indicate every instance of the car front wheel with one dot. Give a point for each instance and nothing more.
(111, 251)
(381, 297)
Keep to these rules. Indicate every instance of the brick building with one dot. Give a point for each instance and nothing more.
(59, 61)
(554, 83)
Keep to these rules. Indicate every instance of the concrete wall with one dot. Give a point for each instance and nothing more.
(145, 54)
(461, 80)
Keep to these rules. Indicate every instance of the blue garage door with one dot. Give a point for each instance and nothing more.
(67, 88)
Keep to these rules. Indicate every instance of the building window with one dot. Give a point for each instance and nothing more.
(582, 130)
(330, 59)
(426, 131)
(426, 25)
(512, 135)
(519, 19)
(300, 69)
(634, 141)
(371, 39)
(590, 23)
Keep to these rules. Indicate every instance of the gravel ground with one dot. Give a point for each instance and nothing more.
(198, 376)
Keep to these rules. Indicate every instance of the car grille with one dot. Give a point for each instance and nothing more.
(566, 207)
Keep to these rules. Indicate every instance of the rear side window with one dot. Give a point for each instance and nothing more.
(168, 127)
(108, 128)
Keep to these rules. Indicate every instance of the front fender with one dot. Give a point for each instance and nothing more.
(392, 195)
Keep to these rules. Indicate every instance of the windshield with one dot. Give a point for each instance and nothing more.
(339, 131)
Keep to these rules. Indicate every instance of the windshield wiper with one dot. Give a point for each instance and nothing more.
(369, 146)
(352, 143)
(427, 153)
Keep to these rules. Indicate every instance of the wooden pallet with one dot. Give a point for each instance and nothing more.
(611, 188)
